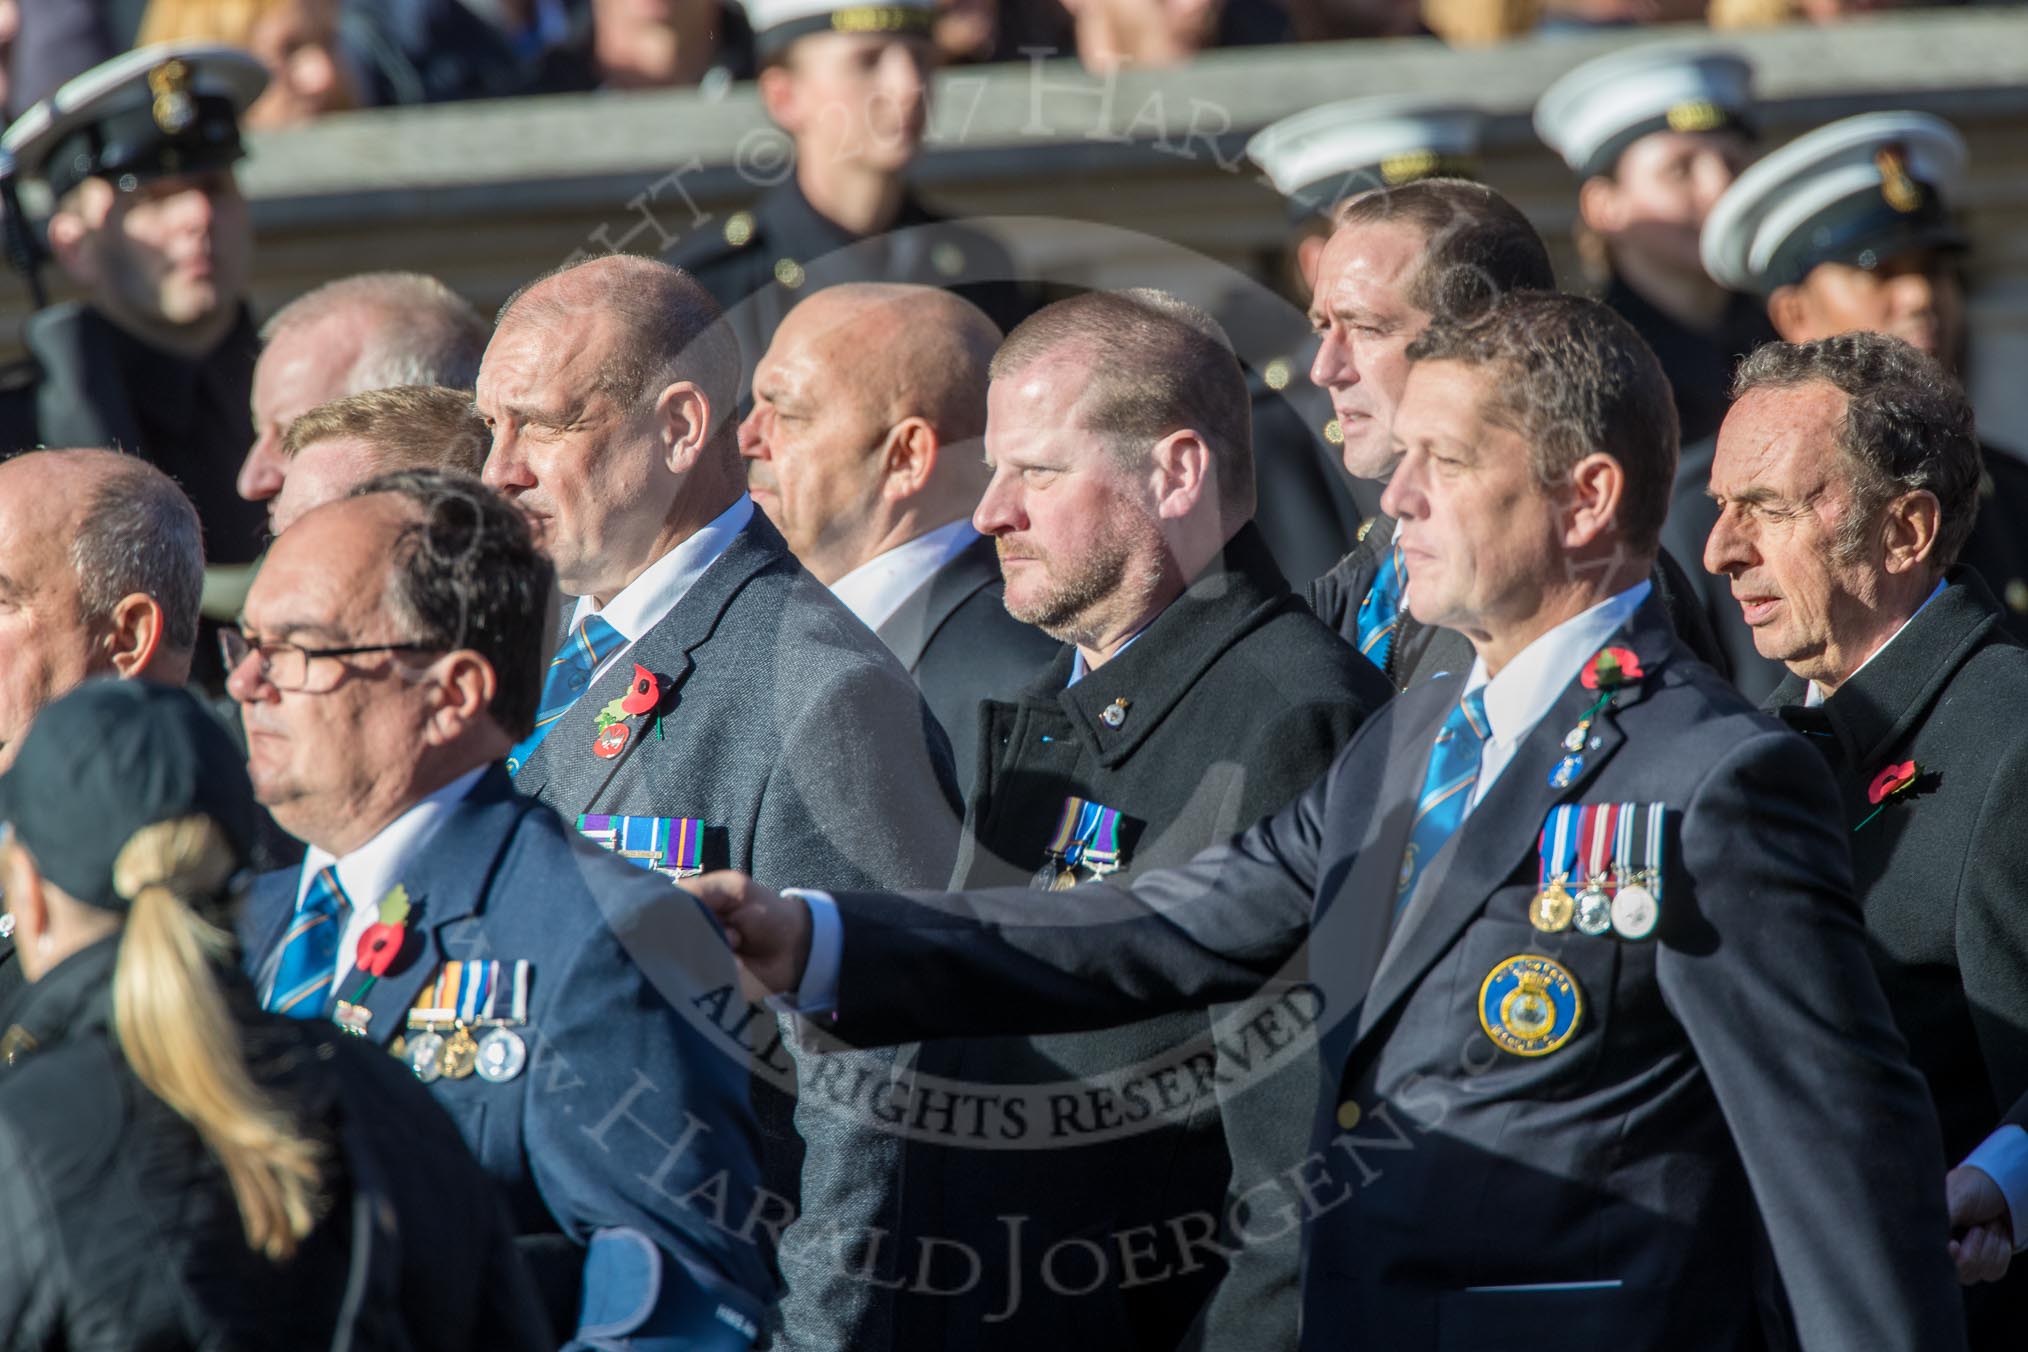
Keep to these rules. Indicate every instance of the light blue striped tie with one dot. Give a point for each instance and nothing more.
(1380, 610)
(309, 962)
(570, 675)
(1446, 788)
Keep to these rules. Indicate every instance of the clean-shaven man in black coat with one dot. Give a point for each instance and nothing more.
(1847, 482)
(1397, 260)
(863, 450)
(1544, 1111)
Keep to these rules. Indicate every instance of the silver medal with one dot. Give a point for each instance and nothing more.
(502, 1054)
(425, 1055)
(1635, 912)
(1594, 910)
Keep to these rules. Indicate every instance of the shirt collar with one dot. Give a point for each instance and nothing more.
(876, 588)
(1814, 696)
(368, 872)
(642, 603)
(1526, 688)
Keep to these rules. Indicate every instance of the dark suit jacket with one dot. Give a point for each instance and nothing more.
(1422, 651)
(1234, 699)
(1997, 551)
(1942, 867)
(1739, 1068)
(622, 1052)
(808, 753)
(956, 638)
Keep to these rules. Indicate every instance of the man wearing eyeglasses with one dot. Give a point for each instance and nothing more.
(389, 656)
(101, 566)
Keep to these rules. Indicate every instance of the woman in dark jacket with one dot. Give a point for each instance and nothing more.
(177, 1168)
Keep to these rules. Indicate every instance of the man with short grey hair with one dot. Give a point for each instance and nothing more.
(337, 446)
(365, 332)
(1846, 479)
(101, 568)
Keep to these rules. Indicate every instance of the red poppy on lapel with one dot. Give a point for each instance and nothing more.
(1894, 779)
(1611, 668)
(645, 694)
(379, 947)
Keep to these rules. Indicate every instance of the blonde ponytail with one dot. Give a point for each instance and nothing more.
(171, 1021)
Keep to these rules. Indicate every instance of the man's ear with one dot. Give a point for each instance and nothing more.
(778, 97)
(70, 241)
(1909, 530)
(1181, 473)
(1598, 487)
(1599, 206)
(467, 684)
(683, 424)
(134, 634)
(1789, 311)
(909, 458)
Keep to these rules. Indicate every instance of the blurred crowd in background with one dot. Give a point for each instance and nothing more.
(331, 55)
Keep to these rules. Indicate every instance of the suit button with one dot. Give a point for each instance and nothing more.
(1348, 1115)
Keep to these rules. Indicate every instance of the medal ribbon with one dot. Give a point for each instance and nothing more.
(1599, 839)
(1643, 857)
(1558, 845)
(1076, 830)
(1102, 853)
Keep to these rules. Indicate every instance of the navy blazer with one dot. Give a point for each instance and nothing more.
(1737, 1069)
(630, 1120)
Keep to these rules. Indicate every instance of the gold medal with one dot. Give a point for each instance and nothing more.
(460, 1054)
(1552, 909)
(1065, 879)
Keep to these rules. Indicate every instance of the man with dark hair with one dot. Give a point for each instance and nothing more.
(849, 85)
(371, 331)
(336, 446)
(101, 568)
(1847, 230)
(1192, 692)
(1437, 250)
(1545, 1110)
(1847, 480)
(863, 450)
(1655, 134)
(714, 705)
(391, 656)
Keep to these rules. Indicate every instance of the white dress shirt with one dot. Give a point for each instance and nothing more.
(1516, 700)
(368, 873)
(876, 588)
(642, 603)
(1812, 697)
(1531, 683)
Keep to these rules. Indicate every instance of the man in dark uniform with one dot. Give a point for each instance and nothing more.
(1656, 135)
(848, 85)
(1310, 508)
(1398, 260)
(1847, 478)
(158, 359)
(1849, 229)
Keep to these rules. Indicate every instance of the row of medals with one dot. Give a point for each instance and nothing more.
(1631, 910)
(497, 1057)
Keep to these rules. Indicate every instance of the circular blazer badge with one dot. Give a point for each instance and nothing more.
(1529, 1005)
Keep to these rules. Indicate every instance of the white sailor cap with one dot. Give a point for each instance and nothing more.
(1859, 191)
(777, 23)
(172, 108)
(1594, 112)
(1321, 156)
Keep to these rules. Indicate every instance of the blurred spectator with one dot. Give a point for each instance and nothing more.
(655, 44)
(1580, 15)
(1763, 13)
(297, 40)
(366, 332)
(1338, 20)
(436, 51)
(57, 40)
(1111, 34)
